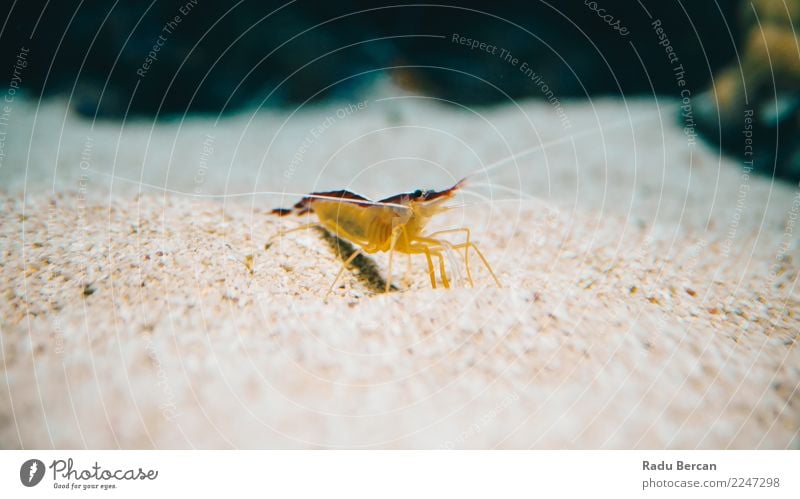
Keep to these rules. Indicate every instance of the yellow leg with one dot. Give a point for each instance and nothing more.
(483, 259)
(445, 281)
(407, 277)
(284, 232)
(391, 260)
(427, 242)
(341, 271)
(431, 272)
(419, 249)
(466, 249)
(467, 245)
(425, 248)
(389, 275)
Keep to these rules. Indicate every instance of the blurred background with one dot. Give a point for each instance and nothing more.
(169, 57)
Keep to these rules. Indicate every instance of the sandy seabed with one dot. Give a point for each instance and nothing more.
(649, 300)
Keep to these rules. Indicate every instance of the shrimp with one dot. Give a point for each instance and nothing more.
(395, 224)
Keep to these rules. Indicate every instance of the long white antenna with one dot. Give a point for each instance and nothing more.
(562, 140)
(245, 194)
(491, 166)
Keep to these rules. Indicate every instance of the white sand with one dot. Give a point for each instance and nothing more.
(641, 308)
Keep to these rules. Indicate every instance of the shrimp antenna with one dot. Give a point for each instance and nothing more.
(246, 194)
(498, 187)
(483, 199)
(525, 152)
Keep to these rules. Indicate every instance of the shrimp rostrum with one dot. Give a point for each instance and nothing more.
(394, 225)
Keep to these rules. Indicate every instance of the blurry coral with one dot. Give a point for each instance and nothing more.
(762, 84)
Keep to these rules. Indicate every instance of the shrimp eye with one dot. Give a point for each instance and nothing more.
(417, 193)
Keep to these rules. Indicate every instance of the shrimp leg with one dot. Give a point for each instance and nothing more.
(466, 250)
(282, 233)
(445, 281)
(466, 245)
(341, 270)
(430, 249)
(407, 276)
(431, 271)
(472, 245)
(393, 242)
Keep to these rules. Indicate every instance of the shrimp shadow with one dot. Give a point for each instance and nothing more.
(368, 271)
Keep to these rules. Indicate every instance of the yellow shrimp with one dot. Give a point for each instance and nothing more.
(394, 224)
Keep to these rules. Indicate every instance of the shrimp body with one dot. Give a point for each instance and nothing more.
(394, 224)
(370, 227)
